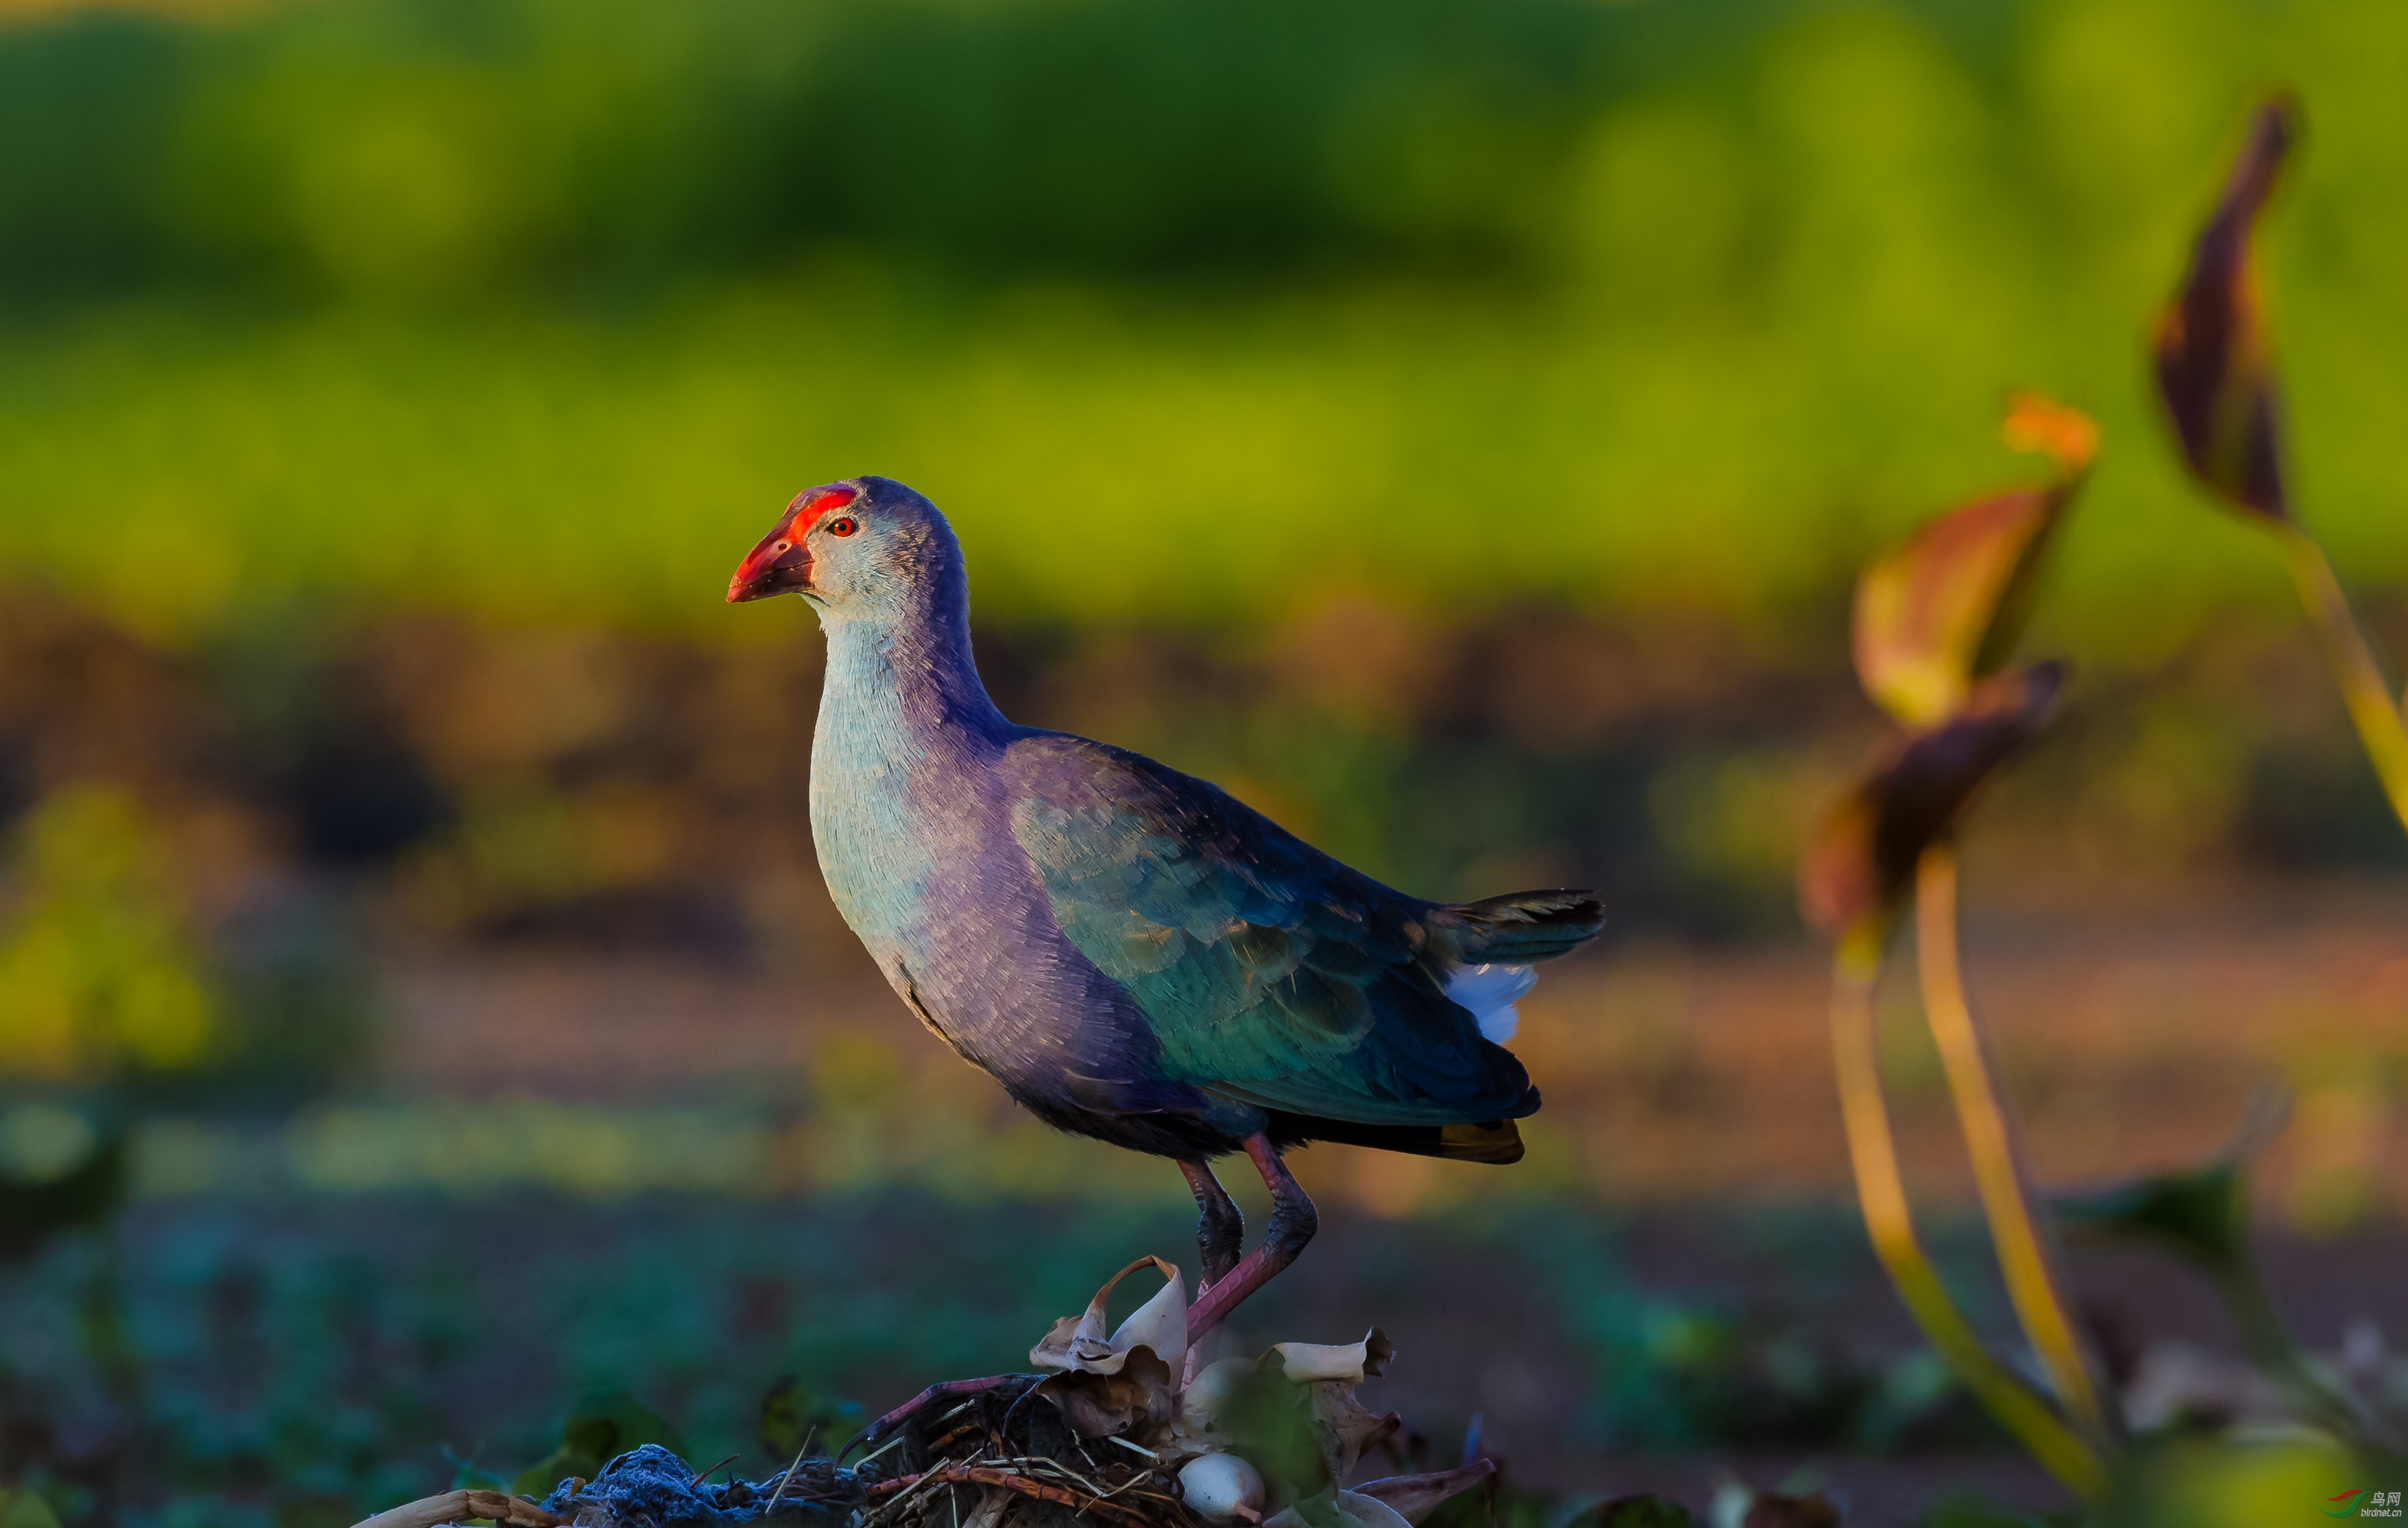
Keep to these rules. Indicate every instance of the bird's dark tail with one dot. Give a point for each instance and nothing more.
(1522, 927)
(1494, 1141)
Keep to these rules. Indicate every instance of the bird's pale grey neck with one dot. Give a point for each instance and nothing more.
(904, 673)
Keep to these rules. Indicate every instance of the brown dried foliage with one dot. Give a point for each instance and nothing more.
(2215, 357)
(1862, 856)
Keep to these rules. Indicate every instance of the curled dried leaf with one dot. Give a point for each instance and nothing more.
(1416, 1496)
(1941, 609)
(1136, 1397)
(2214, 356)
(1857, 864)
(1353, 1362)
(1109, 1385)
(1345, 1428)
(1946, 607)
(1077, 1343)
(1338, 1509)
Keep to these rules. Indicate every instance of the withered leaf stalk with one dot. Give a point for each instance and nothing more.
(1852, 881)
(1933, 621)
(2215, 372)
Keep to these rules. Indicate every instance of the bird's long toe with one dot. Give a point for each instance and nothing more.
(1220, 1228)
(1292, 1224)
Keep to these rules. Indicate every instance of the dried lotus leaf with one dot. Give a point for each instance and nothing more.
(1078, 1343)
(1308, 1362)
(1345, 1428)
(1135, 1396)
(1416, 1496)
(2213, 344)
(1338, 1509)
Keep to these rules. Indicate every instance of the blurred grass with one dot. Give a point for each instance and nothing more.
(306, 1363)
(96, 964)
(1192, 312)
(1100, 469)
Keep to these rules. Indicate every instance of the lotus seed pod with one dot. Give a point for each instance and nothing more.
(1216, 1485)
(1209, 1393)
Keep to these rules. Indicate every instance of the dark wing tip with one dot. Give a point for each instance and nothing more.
(1494, 1143)
(1526, 926)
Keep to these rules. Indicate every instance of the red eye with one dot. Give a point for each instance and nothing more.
(843, 525)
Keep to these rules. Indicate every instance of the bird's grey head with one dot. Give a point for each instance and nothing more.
(864, 547)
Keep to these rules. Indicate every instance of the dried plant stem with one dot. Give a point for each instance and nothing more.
(2363, 687)
(979, 1475)
(2027, 1255)
(2267, 1339)
(1873, 1153)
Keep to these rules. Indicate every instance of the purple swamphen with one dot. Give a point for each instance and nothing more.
(1134, 955)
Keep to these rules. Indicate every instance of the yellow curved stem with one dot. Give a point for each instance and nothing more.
(2363, 687)
(2027, 1255)
(1873, 1153)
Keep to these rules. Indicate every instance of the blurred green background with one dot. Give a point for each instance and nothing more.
(1452, 426)
(1193, 311)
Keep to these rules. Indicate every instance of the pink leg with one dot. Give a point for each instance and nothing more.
(1292, 1224)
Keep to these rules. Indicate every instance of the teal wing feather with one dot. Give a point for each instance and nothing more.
(1269, 972)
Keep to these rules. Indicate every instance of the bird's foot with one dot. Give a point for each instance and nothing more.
(1292, 1224)
(1220, 1229)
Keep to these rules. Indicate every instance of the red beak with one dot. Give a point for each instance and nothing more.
(780, 563)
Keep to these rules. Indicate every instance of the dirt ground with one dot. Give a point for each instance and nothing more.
(2129, 1040)
(1689, 1101)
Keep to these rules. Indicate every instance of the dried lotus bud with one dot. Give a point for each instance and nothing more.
(1220, 1487)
